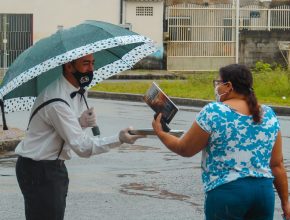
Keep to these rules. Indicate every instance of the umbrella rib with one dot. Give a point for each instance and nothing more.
(120, 58)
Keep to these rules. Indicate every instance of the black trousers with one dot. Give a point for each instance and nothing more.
(44, 185)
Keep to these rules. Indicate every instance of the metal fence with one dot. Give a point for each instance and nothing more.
(254, 17)
(15, 36)
(198, 32)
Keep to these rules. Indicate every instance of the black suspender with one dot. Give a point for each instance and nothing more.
(40, 107)
(44, 104)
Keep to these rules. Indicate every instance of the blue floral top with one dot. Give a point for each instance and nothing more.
(237, 147)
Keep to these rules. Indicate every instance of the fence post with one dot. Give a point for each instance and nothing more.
(237, 29)
(5, 43)
(269, 19)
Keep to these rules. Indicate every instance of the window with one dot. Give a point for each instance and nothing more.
(144, 11)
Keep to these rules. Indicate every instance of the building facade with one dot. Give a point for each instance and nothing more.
(46, 17)
(205, 36)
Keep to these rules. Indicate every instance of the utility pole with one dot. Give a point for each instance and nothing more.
(5, 54)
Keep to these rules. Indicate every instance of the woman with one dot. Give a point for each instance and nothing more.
(241, 148)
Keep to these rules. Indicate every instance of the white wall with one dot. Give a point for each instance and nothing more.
(150, 26)
(48, 14)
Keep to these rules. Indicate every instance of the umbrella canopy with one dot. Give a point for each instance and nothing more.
(115, 49)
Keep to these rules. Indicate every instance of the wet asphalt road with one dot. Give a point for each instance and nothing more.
(143, 181)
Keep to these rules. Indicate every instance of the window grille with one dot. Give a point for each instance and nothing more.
(144, 11)
(18, 34)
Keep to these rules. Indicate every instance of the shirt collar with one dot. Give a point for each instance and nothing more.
(67, 85)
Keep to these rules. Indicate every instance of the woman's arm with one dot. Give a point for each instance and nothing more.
(280, 175)
(192, 142)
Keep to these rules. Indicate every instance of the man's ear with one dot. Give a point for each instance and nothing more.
(70, 66)
(67, 68)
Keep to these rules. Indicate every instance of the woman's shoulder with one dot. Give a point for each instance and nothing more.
(216, 106)
(267, 110)
(213, 109)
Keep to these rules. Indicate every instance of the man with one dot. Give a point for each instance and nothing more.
(55, 128)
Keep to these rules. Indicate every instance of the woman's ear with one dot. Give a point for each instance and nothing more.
(230, 86)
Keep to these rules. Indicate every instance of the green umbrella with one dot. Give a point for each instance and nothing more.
(115, 49)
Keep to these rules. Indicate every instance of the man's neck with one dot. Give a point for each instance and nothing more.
(70, 78)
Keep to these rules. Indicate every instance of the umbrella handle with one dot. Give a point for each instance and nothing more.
(3, 115)
(96, 131)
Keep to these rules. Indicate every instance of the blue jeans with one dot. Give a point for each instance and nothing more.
(243, 199)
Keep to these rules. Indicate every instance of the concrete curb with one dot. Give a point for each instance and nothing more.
(9, 145)
(279, 110)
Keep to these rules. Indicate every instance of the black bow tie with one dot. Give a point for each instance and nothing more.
(81, 91)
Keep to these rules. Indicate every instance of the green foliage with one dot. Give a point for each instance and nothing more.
(271, 86)
(262, 67)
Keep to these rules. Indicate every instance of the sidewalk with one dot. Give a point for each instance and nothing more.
(279, 110)
(9, 139)
(147, 74)
(162, 74)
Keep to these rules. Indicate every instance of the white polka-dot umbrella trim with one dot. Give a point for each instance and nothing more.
(19, 104)
(69, 56)
(125, 63)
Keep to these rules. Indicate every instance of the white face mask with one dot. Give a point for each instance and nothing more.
(216, 93)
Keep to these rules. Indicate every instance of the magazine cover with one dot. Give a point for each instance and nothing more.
(160, 102)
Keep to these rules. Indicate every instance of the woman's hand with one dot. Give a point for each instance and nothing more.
(156, 124)
(286, 210)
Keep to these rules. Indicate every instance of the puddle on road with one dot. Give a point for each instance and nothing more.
(151, 172)
(286, 164)
(153, 191)
(8, 162)
(7, 159)
(168, 157)
(126, 175)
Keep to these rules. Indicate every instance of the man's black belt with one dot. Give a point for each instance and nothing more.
(56, 162)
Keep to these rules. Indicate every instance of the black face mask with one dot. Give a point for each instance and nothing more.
(84, 79)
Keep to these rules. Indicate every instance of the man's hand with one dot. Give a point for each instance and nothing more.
(125, 137)
(88, 118)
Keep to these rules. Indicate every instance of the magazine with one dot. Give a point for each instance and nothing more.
(150, 131)
(160, 103)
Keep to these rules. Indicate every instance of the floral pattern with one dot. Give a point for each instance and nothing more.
(237, 146)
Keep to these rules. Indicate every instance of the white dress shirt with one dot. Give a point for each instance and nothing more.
(57, 123)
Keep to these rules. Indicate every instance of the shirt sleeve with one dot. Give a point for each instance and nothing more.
(66, 124)
(272, 120)
(206, 117)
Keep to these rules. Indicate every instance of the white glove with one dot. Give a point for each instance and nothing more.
(125, 137)
(88, 118)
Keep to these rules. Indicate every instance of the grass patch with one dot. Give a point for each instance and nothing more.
(271, 86)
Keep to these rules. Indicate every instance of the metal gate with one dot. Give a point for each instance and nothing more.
(206, 37)
(15, 37)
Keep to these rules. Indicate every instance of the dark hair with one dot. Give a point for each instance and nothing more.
(63, 66)
(242, 80)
